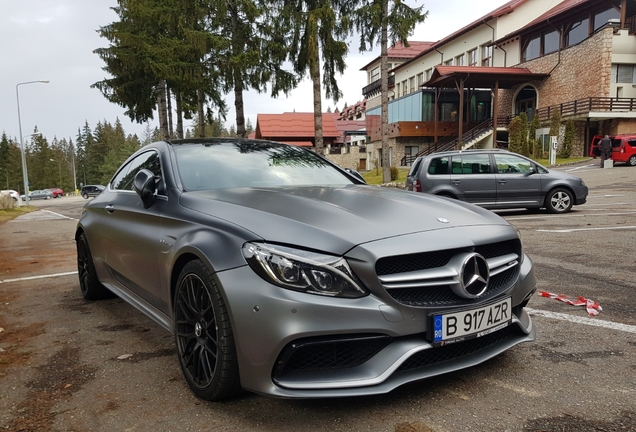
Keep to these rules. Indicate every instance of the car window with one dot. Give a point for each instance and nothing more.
(415, 168)
(631, 142)
(248, 164)
(438, 166)
(471, 164)
(511, 164)
(123, 180)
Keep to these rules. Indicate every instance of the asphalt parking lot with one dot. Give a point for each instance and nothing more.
(71, 365)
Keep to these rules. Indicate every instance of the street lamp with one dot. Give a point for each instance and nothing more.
(25, 177)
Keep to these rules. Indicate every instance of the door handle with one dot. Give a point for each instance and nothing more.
(110, 208)
(501, 181)
(456, 182)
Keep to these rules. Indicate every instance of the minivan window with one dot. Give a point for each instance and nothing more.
(471, 164)
(507, 164)
(416, 167)
(438, 166)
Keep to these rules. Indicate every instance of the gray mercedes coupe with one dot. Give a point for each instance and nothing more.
(282, 274)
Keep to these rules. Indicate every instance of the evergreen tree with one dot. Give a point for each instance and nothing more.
(377, 23)
(319, 28)
(568, 139)
(248, 127)
(534, 142)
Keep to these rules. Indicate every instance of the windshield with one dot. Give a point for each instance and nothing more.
(244, 163)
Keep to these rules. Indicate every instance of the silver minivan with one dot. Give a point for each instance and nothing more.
(496, 179)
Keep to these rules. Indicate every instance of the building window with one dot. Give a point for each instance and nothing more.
(448, 62)
(472, 57)
(405, 88)
(486, 55)
(532, 49)
(459, 60)
(623, 73)
(429, 72)
(412, 84)
(551, 42)
(420, 79)
(602, 18)
(578, 32)
(375, 75)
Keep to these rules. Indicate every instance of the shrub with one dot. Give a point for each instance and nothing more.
(394, 173)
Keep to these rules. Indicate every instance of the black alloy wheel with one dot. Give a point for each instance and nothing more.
(632, 160)
(203, 335)
(90, 286)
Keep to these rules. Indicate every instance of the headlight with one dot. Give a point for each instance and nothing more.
(303, 271)
(521, 258)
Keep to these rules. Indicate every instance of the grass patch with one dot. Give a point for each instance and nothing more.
(373, 179)
(562, 161)
(9, 214)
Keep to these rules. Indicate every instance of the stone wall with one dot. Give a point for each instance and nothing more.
(578, 72)
(348, 160)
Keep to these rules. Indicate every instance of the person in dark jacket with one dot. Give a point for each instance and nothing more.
(606, 149)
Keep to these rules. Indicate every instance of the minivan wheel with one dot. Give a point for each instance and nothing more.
(632, 160)
(85, 196)
(559, 200)
(203, 335)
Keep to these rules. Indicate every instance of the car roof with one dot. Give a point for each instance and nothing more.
(457, 152)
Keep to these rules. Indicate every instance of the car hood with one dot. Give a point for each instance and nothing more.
(335, 218)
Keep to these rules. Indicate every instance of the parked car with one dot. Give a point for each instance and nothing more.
(623, 148)
(91, 190)
(14, 194)
(57, 192)
(39, 194)
(496, 179)
(280, 273)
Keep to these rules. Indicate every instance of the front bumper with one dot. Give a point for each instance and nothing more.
(270, 322)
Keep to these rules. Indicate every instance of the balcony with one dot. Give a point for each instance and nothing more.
(376, 87)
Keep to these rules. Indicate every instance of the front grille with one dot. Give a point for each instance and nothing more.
(315, 355)
(409, 263)
(439, 293)
(442, 295)
(436, 356)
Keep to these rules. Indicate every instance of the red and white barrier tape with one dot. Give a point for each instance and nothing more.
(591, 306)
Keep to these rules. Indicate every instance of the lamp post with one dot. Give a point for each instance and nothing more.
(25, 177)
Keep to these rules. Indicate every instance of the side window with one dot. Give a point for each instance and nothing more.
(438, 166)
(415, 168)
(510, 164)
(631, 142)
(148, 160)
(471, 164)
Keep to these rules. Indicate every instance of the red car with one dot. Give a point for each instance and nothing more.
(57, 192)
(623, 148)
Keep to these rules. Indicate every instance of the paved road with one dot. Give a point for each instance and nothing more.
(71, 365)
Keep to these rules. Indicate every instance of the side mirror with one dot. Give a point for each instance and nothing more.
(144, 185)
(355, 174)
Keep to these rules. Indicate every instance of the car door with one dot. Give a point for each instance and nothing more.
(130, 232)
(518, 181)
(472, 178)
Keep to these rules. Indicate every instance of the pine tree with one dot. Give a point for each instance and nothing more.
(377, 23)
(319, 29)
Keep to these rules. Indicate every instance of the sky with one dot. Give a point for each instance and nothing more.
(53, 40)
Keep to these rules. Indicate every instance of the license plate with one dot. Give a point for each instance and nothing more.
(472, 323)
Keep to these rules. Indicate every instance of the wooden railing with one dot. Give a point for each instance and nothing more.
(584, 106)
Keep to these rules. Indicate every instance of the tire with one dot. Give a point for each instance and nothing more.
(90, 286)
(48, 197)
(632, 160)
(203, 335)
(559, 200)
(85, 196)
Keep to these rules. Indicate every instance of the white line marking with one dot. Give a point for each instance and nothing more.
(581, 320)
(587, 229)
(578, 168)
(38, 277)
(60, 215)
(567, 215)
